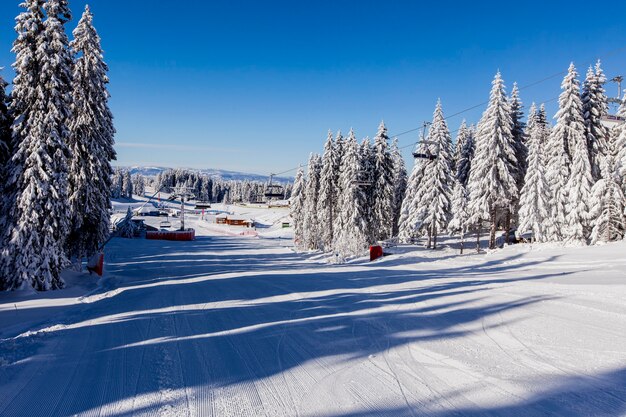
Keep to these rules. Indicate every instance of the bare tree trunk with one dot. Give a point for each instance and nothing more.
(507, 226)
(462, 242)
(434, 235)
(478, 236)
(492, 231)
(429, 238)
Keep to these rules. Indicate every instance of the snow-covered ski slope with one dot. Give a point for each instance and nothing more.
(239, 326)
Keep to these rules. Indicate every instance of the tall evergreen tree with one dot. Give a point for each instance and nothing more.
(312, 227)
(492, 183)
(408, 230)
(298, 208)
(383, 191)
(352, 238)
(5, 150)
(430, 206)
(128, 185)
(459, 223)
(5, 131)
(519, 137)
(579, 184)
(33, 252)
(464, 153)
(594, 107)
(328, 193)
(534, 197)
(438, 180)
(608, 208)
(91, 142)
(399, 181)
(568, 131)
(619, 144)
(366, 176)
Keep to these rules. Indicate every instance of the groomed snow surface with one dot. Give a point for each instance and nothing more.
(244, 326)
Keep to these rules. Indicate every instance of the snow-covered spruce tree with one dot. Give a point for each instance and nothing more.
(595, 106)
(339, 149)
(128, 185)
(464, 153)
(492, 184)
(617, 143)
(352, 239)
(34, 249)
(459, 223)
(139, 187)
(534, 198)
(91, 144)
(126, 228)
(519, 137)
(366, 176)
(399, 181)
(5, 149)
(328, 193)
(312, 227)
(383, 190)
(5, 131)
(298, 208)
(407, 230)
(569, 129)
(609, 204)
(438, 180)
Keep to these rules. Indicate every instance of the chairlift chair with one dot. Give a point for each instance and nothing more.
(273, 190)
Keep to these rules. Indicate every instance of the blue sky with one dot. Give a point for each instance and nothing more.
(254, 86)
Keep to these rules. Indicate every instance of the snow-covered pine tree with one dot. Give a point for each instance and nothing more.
(459, 223)
(609, 204)
(139, 187)
(399, 181)
(407, 223)
(91, 143)
(5, 153)
(534, 198)
(594, 107)
(438, 180)
(559, 157)
(126, 228)
(5, 131)
(383, 191)
(464, 152)
(298, 208)
(339, 149)
(617, 143)
(366, 176)
(458, 146)
(128, 185)
(492, 184)
(352, 238)
(328, 193)
(34, 252)
(519, 137)
(312, 227)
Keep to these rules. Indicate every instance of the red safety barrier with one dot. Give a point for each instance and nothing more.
(96, 264)
(376, 252)
(178, 235)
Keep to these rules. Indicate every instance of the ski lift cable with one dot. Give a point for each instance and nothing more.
(524, 87)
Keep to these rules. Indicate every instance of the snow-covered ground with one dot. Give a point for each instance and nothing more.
(244, 326)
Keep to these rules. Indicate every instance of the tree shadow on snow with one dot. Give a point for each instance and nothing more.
(170, 325)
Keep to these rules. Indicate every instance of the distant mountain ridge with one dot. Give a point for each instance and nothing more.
(213, 173)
